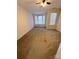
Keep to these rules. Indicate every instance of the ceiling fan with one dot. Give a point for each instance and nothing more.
(43, 3)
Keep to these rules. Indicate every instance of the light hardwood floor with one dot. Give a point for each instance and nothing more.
(39, 43)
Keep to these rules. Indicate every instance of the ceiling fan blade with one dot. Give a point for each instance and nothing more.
(38, 3)
(43, 1)
(48, 3)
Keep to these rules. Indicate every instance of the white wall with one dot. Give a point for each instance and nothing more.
(58, 55)
(24, 21)
(59, 24)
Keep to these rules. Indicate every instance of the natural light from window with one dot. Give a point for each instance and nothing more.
(39, 19)
(53, 18)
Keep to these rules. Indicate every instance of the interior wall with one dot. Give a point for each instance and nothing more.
(24, 21)
(58, 55)
(53, 10)
(59, 23)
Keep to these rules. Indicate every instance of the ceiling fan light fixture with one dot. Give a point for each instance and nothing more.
(43, 4)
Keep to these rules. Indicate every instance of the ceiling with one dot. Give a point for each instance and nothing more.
(34, 8)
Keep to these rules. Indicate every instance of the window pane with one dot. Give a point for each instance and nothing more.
(36, 20)
(40, 19)
(43, 19)
(53, 18)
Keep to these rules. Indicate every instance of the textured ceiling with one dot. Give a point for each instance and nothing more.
(36, 8)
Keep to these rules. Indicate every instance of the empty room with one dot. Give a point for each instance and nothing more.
(38, 29)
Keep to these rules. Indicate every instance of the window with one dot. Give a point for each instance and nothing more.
(53, 18)
(39, 19)
(43, 20)
(36, 20)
